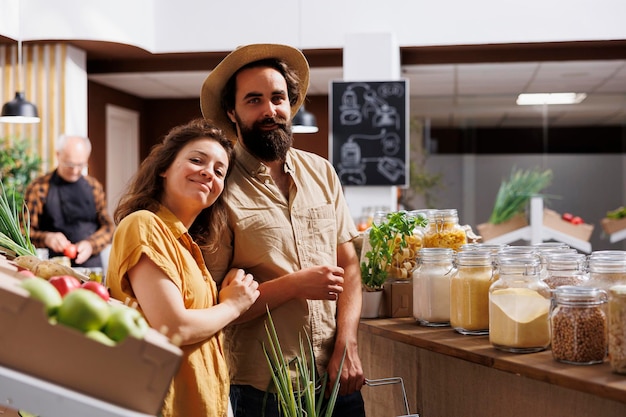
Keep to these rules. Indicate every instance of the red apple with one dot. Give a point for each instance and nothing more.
(70, 251)
(98, 288)
(65, 284)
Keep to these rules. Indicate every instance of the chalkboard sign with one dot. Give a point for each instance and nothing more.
(369, 132)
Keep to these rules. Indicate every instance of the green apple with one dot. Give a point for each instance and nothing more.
(40, 289)
(83, 310)
(125, 321)
(99, 336)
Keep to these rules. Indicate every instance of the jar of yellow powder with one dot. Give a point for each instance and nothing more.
(469, 292)
(519, 306)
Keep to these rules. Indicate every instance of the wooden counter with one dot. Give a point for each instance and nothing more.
(451, 375)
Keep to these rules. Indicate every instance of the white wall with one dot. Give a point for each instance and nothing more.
(162, 26)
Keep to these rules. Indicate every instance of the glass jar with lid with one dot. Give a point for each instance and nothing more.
(617, 328)
(431, 286)
(444, 231)
(469, 292)
(408, 243)
(578, 323)
(519, 305)
(607, 268)
(565, 269)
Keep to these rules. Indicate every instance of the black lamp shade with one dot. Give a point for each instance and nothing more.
(304, 122)
(19, 110)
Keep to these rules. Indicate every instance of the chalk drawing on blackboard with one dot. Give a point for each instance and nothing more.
(374, 107)
(351, 166)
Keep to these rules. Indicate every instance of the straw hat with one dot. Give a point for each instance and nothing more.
(210, 97)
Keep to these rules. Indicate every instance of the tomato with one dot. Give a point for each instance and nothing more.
(567, 217)
(70, 251)
(577, 220)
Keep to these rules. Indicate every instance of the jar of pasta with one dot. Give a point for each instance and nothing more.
(431, 286)
(406, 247)
(617, 328)
(519, 305)
(469, 292)
(443, 230)
(579, 325)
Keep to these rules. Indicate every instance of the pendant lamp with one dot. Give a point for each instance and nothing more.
(19, 110)
(304, 122)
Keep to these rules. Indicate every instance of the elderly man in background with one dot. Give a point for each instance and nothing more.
(67, 209)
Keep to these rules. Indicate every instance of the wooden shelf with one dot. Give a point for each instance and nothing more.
(449, 375)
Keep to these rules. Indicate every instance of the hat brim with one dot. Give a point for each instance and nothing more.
(210, 96)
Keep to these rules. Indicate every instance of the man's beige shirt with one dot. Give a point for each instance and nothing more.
(269, 236)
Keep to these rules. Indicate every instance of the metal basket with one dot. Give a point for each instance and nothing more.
(388, 381)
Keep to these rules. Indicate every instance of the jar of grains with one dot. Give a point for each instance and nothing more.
(578, 323)
(565, 269)
(431, 286)
(469, 292)
(617, 328)
(443, 230)
(519, 305)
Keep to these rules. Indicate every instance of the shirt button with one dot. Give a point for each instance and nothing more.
(267, 182)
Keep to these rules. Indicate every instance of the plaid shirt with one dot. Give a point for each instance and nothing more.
(35, 199)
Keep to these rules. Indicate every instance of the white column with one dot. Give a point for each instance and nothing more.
(371, 57)
(75, 92)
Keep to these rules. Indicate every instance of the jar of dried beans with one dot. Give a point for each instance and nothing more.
(617, 328)
(579, 325)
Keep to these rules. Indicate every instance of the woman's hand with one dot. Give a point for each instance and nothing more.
(239, 290)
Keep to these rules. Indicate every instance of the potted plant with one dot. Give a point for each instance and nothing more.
(383, 240)
(18, 167)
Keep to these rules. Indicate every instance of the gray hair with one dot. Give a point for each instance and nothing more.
(63, 139)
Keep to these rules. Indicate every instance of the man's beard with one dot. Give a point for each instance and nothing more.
(267, 145)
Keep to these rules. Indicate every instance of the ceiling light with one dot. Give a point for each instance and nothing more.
(19, 110)
(304, 122)
(550, 98)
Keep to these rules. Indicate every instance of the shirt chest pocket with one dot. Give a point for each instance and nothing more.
(318, 230)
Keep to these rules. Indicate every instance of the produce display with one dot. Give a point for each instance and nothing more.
(618, 213)
(85, 307)
(515, 193)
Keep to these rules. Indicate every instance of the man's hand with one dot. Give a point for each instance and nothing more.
(351, 377)
(56, 241)
(320, 282)
(84, 250)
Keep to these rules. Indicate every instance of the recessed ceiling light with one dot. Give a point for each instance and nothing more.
(550, 98)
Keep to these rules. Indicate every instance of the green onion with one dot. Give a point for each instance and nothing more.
(14, 236)
(514, 194)
(298, 401)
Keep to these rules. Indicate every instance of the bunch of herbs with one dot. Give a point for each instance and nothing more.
(514, 194)
(383, 244)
